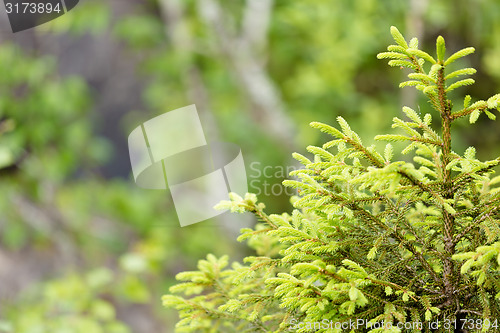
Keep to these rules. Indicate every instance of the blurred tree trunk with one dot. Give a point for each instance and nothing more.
(173, 15)
(244, 52)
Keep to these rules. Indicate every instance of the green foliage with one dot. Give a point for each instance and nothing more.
(92, 17)
(89, 249)
(73, 304)
(320, 58)
(35, 104)
(371, 238)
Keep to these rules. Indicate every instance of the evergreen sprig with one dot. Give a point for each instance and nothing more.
(371, 238)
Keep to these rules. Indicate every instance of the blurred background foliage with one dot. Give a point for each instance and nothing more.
(82, 249)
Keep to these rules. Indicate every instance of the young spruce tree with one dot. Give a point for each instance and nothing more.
(373, 245)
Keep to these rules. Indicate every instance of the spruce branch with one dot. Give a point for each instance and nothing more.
(370, 236)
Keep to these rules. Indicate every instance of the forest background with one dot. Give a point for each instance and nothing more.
(82, 248)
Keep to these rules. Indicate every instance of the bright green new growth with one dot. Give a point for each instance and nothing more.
(370, 239)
